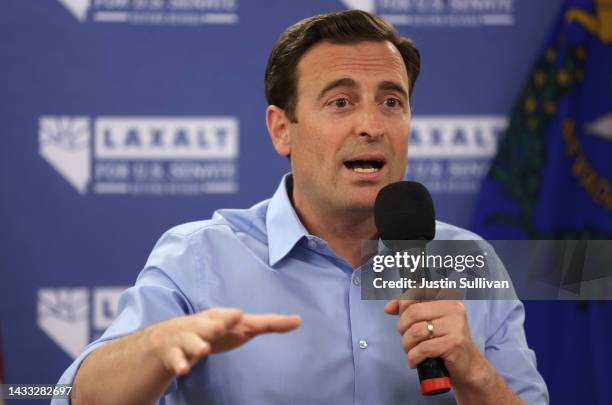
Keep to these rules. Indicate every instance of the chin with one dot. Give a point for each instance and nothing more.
(361, 202)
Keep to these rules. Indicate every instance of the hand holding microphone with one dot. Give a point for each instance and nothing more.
(448, 340)
(435, 334)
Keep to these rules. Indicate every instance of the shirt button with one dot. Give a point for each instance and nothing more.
(356, 280)
(312, 243)
(363, 343)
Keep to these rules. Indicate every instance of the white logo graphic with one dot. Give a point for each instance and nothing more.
(448, 13)
(66, 316)
(143, 155)
(154, 12)
(63, 315)
(64, 142)
(453, 153)
(365, 5)
(78, 8)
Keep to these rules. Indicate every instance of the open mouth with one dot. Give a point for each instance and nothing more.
(365, 165)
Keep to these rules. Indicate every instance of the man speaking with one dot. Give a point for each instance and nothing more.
(338, 87)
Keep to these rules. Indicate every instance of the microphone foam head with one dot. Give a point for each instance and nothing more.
(404, 211)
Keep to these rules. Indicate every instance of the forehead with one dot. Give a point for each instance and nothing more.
(362, 61)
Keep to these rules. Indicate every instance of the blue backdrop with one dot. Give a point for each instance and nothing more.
(122, 118)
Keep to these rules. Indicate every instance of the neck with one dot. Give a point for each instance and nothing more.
(343, 231)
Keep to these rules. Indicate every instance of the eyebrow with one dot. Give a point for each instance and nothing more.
(344, 82)
(390, 85)
(350, 83)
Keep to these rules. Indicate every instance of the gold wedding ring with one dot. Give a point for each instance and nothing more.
(430, 329)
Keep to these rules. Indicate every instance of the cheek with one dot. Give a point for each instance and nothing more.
(306, 151)
(401, 147)
(399, 139)
(317, 142)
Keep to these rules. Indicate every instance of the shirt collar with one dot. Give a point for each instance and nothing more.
(282, 223)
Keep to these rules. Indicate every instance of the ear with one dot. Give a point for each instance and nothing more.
(278, 128)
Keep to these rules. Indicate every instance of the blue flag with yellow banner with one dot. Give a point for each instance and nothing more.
(551, 179)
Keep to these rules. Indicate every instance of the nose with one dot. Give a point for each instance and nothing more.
(370, 123)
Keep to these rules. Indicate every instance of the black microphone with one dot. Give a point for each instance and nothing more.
(405, 219)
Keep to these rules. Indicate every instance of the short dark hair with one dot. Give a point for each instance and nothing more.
(344, 27)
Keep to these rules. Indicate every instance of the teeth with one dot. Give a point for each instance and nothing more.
(364, 170)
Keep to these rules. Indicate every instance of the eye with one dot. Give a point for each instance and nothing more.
(393, 102)
(340, 103)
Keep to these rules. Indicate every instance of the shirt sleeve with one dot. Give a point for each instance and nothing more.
(156, 296)
(506, 348)
(506, 344)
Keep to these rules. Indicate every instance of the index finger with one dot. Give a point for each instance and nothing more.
(229, 317)
(257, 324)
(397, 306)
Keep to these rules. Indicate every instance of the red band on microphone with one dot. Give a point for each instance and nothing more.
(435, 385)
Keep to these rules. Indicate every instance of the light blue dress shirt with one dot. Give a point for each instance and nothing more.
(347, 350)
